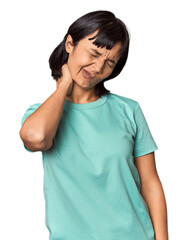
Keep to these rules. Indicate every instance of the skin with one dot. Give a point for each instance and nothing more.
(152, 193)
(99, 66)
(83, 56)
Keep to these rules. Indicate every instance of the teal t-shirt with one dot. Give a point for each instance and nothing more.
(91, 185)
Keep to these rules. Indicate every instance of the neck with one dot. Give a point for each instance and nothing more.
(80, 95)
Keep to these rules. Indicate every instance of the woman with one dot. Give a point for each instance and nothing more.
(100, 179)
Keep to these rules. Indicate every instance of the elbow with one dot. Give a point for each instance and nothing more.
(33, 141)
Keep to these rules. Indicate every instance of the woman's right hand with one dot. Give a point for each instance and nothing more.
(66, 79)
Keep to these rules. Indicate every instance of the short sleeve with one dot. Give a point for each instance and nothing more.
(144, 142)
(31, 109)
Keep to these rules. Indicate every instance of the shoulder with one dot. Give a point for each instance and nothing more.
(34, 106)
(128, 103)
(30, 109)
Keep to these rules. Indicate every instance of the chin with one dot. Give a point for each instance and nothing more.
(86, 84)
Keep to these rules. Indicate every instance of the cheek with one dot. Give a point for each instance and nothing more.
(72, 66)
(82, 61)
(107, 72)
(76, 63)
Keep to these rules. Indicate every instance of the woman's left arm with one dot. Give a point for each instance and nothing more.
(152, 193)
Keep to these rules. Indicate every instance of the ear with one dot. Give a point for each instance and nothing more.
(69, 44)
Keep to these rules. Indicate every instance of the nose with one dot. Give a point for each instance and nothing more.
(98, 66)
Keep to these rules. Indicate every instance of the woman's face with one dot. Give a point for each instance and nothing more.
(89, 64)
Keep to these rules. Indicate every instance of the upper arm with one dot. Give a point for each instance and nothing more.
(144, 141)
(146, 167)
(28, 144)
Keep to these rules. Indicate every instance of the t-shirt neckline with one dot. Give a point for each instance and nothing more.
(89, 105)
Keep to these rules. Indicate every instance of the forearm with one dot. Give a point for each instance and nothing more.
(43, 123)
(153, 195)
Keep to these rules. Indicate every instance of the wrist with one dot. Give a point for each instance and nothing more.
(63, 84)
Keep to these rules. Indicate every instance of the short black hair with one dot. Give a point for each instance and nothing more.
(111, 30)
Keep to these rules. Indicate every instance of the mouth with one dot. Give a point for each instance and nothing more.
(87, 74)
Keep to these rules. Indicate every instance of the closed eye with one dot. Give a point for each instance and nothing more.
(93, 55)
(109, 65)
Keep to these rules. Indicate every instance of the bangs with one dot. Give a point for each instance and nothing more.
(109, 31)
(109, 35)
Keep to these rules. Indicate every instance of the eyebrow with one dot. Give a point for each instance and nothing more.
(98, 53)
